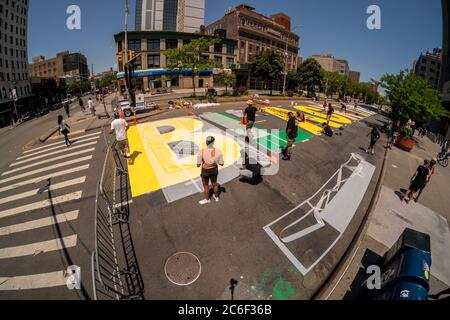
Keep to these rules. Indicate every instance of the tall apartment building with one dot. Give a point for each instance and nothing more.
(445, 66)
(64, 65)
(256, 32)
(428, 66)
(13, 56)
(151, 72)
(331, 64)
(170, 15)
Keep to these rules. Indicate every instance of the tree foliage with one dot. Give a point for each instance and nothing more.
(267, 65)
(228, 79)
(310, 74)
(411, 97)
(191, 57)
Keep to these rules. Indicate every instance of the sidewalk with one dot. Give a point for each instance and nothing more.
(391, 216)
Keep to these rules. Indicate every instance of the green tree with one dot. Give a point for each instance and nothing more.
(293, 80)
(310, 74)
(228, 79)
(411, 97)
(267, 65)
(191, 57)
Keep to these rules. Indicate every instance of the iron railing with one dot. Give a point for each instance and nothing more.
(115, 269)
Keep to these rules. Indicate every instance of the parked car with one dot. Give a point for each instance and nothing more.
(142, 107)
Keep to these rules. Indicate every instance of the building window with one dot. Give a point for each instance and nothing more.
(230, 62)
(154, 61)
(230, 49)
(218, 60)
(153, 44)
(134, 45)
(171, 43)
(218, 48)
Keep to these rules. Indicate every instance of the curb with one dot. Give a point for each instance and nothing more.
(48, 135)
(349, 254)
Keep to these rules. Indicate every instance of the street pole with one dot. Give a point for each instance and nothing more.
(285, 66)
(125, 59)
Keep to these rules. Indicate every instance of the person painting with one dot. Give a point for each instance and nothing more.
(432, 168)
(209, 159)
(301, 117)
(418, 181)
(327, 130)
(64, 129)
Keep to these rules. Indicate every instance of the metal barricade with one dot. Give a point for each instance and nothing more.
(115, 269)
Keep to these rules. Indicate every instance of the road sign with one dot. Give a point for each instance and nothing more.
(14, 94)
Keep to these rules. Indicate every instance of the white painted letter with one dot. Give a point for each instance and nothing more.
(74, 20)
(374, 281)
(374, 20)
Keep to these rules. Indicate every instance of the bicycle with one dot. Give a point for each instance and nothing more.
(443, 159)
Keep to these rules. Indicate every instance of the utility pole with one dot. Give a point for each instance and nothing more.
(286, 59)
(125, 59)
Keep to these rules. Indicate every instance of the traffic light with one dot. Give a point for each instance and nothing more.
(131, 55)
(120, 57)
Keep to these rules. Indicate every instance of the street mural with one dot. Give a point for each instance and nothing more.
(326, 216)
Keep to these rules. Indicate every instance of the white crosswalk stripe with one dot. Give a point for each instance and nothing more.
(51, 176)
(35, 164)
(35, 192)
(43, 178)
(46, 155)
(63, 147)
(55, 166)
(61, 143)
(39, 223)
(34, 281)
(38, 247)
(41, 204)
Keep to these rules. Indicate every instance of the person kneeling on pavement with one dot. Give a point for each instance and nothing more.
(327, 130)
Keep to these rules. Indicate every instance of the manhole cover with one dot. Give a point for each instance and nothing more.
(183, 268)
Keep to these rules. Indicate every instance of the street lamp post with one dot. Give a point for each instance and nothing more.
(125, 59)
(286, 61)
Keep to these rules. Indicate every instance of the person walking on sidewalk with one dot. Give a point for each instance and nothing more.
(91, 106)
(67, 109)
(120, 127)
(81, 103)
(209, 159)
(374, 137)
(64, 129)
(432, 169)
(418, 181)
(291, 135)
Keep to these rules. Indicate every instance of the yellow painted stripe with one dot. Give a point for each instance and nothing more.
(283, 114)
(315, 114)
(142, 177)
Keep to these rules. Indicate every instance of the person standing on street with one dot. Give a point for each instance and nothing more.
(374, 137)
(291, 135)
(91, 106)
(64, 129)
(418, 181)
(329, 113)
(209, 159)
(250, 114)
(432, 169)
(120, 127)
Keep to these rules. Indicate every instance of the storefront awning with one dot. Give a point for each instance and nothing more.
(163, 72)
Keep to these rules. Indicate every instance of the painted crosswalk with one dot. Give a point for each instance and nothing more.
(40, 197)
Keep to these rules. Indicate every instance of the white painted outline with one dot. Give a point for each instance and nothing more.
(363, 170)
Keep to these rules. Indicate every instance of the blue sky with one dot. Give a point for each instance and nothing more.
(325, 26)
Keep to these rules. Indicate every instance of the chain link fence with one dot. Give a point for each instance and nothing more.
(115, 269)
